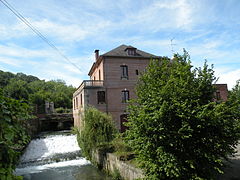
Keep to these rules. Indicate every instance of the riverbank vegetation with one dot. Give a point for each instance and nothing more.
(176, 128)
(13, 134)
(98, 132)
(35, 92)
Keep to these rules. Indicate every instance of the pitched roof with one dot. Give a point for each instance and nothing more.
(121, 52)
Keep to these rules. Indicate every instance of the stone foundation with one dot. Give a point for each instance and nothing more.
(111, 163)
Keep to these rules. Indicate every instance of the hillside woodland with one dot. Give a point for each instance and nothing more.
(35, 92)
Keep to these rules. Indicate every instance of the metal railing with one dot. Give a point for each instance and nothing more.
(92, 83)
(88, 84)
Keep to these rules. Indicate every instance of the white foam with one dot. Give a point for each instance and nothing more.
(47, 147)
(36, 169)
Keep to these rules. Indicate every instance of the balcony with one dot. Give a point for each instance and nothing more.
(88, 84)
(91, 84)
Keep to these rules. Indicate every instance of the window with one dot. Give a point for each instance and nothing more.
(99, 74)
(131, 52)
(76, 103)
(218, 96)
(123, 119)
(125, 96)
(124, 72)
(137, 72)
(81, 100)
(101, 97)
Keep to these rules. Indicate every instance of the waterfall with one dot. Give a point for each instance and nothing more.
(55, 157)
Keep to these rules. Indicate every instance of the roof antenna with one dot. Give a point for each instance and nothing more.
(172, 45)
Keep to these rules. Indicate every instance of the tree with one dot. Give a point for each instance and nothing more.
(17, 89)
(234, 98)
(5, 78)
(175, 128)
(35, 92)
(235, 93)
(13, 134)
(98, 130)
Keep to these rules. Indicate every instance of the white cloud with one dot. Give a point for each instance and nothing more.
(163, 15)
(229, 77)
(14, 50)
(54, 74)
(10, 61)
(17, 30)
(63, 32)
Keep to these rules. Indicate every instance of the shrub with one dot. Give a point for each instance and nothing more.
(98, 130)
(121, 149)
(175, 128)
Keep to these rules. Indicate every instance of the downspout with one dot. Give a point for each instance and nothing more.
(104, 81)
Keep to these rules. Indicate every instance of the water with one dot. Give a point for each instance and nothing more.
(56, 157)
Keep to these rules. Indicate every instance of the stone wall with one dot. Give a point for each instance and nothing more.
(50, 122)
(111, 163)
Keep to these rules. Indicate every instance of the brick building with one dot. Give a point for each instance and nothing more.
(113, 77)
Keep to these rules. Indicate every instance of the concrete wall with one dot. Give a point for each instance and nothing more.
(110, 163)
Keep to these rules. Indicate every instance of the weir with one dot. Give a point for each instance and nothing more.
(56, 156)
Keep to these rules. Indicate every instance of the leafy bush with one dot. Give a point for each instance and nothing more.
(121, 149)
(116, 175)
(62, 110)
(98, 130)
(13, 135)
(175, 129)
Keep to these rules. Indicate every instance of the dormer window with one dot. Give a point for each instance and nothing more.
(131, 51)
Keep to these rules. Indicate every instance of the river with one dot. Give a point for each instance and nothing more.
(56, 156)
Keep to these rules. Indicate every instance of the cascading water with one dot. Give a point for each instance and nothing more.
(56, 157)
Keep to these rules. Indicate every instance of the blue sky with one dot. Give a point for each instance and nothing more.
(206, 29)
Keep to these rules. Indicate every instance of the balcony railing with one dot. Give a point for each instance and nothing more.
(91, 83)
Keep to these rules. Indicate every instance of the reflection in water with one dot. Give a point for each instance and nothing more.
(56, 157)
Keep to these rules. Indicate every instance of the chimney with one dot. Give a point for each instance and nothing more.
(96, 54)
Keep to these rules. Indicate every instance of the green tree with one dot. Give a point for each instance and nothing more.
(235, 93)
(17, 89)
(175, 128)
(27, 78)
(35, 92)
(5, 78)
(98, 130)
(13, 134)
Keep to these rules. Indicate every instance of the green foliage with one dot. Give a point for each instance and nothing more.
(116, 175)
(234, 95)
(74, 130)
(13, 135)
(175, 129)
(98, 130)
(62, 110)
(5, 78)
(17, 89)
(121, 149)
(36, 92)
